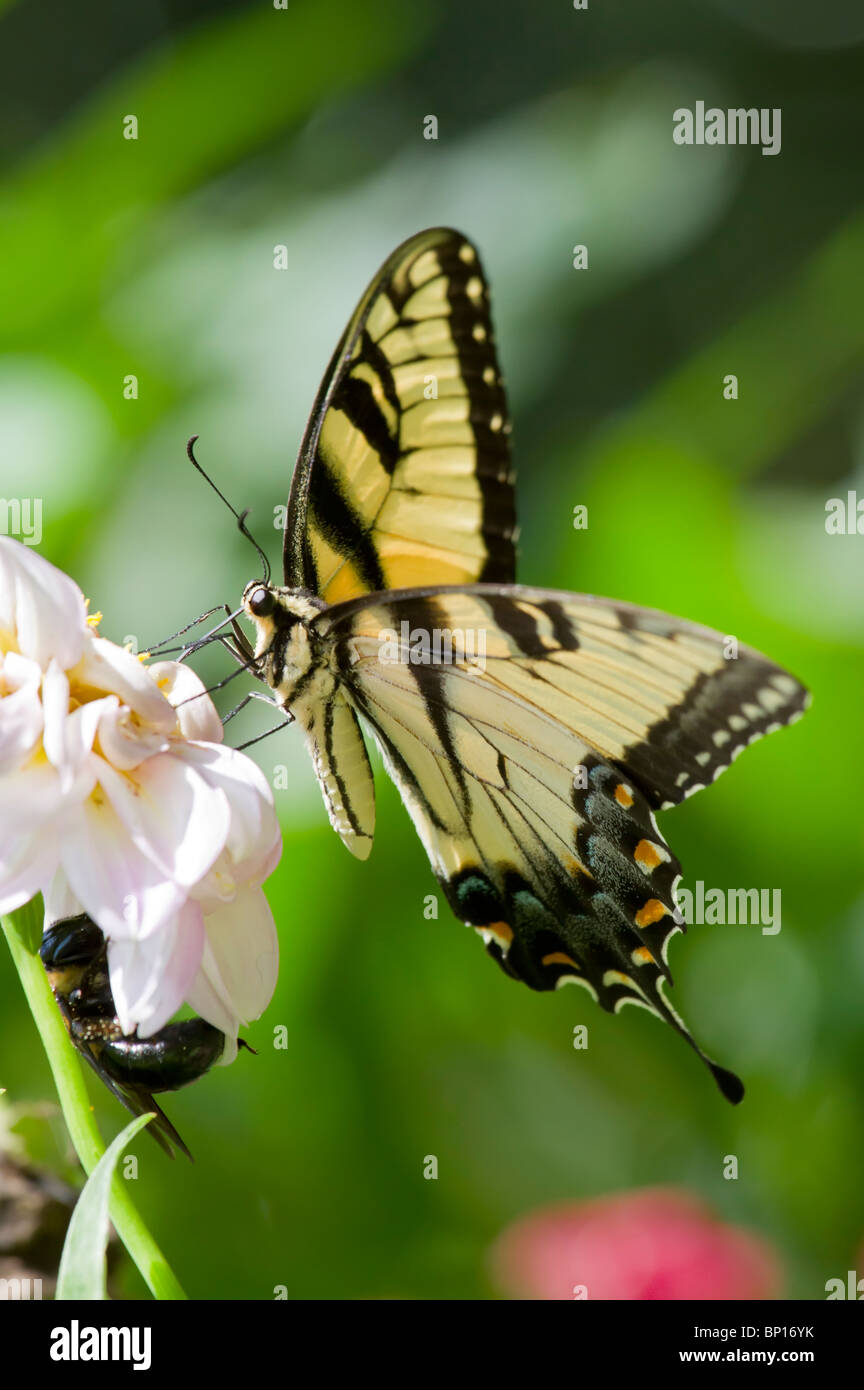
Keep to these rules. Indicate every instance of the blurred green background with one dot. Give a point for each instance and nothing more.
(303, 127)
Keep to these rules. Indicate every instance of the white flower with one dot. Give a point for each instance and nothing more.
(118, 799)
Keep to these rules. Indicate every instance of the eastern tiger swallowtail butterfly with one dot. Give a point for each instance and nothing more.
(532, 774)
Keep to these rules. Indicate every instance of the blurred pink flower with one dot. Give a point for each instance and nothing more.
(658, 1243)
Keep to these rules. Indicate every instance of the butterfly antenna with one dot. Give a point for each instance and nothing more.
(241, 516)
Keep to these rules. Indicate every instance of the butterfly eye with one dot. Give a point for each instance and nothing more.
(262, 602)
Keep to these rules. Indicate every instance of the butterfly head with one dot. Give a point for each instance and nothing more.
(282, 617)
(270, 605)
(260, 603)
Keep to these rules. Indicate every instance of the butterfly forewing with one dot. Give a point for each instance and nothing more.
(404, 475)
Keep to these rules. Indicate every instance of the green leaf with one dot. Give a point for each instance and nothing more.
(82, 1264)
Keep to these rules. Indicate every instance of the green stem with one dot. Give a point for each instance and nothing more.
(23, 931)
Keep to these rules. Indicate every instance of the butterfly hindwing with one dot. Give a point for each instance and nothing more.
(404, 475)
(532, 735)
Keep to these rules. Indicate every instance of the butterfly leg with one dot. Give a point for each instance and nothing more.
(265, 699)
(287, 718)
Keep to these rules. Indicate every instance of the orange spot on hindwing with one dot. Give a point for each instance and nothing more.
(647, 856)
(652, 911)
(558, 958)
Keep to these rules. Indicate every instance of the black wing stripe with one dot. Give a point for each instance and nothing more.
(343, 530)
(371, 352)
(356, 399)
(335, 772)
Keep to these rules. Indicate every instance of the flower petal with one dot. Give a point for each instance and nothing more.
(254, 831)
(34, 799)
(68, 737)
(28, 863)
(20, 710)
(245, 947)
(120, 888)
(55, 705)
(124, 741)
(150, 976)
(41, 608)
(207, 996)
(60, 901)
(173, 816)
(106, 667)
(196, 713)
